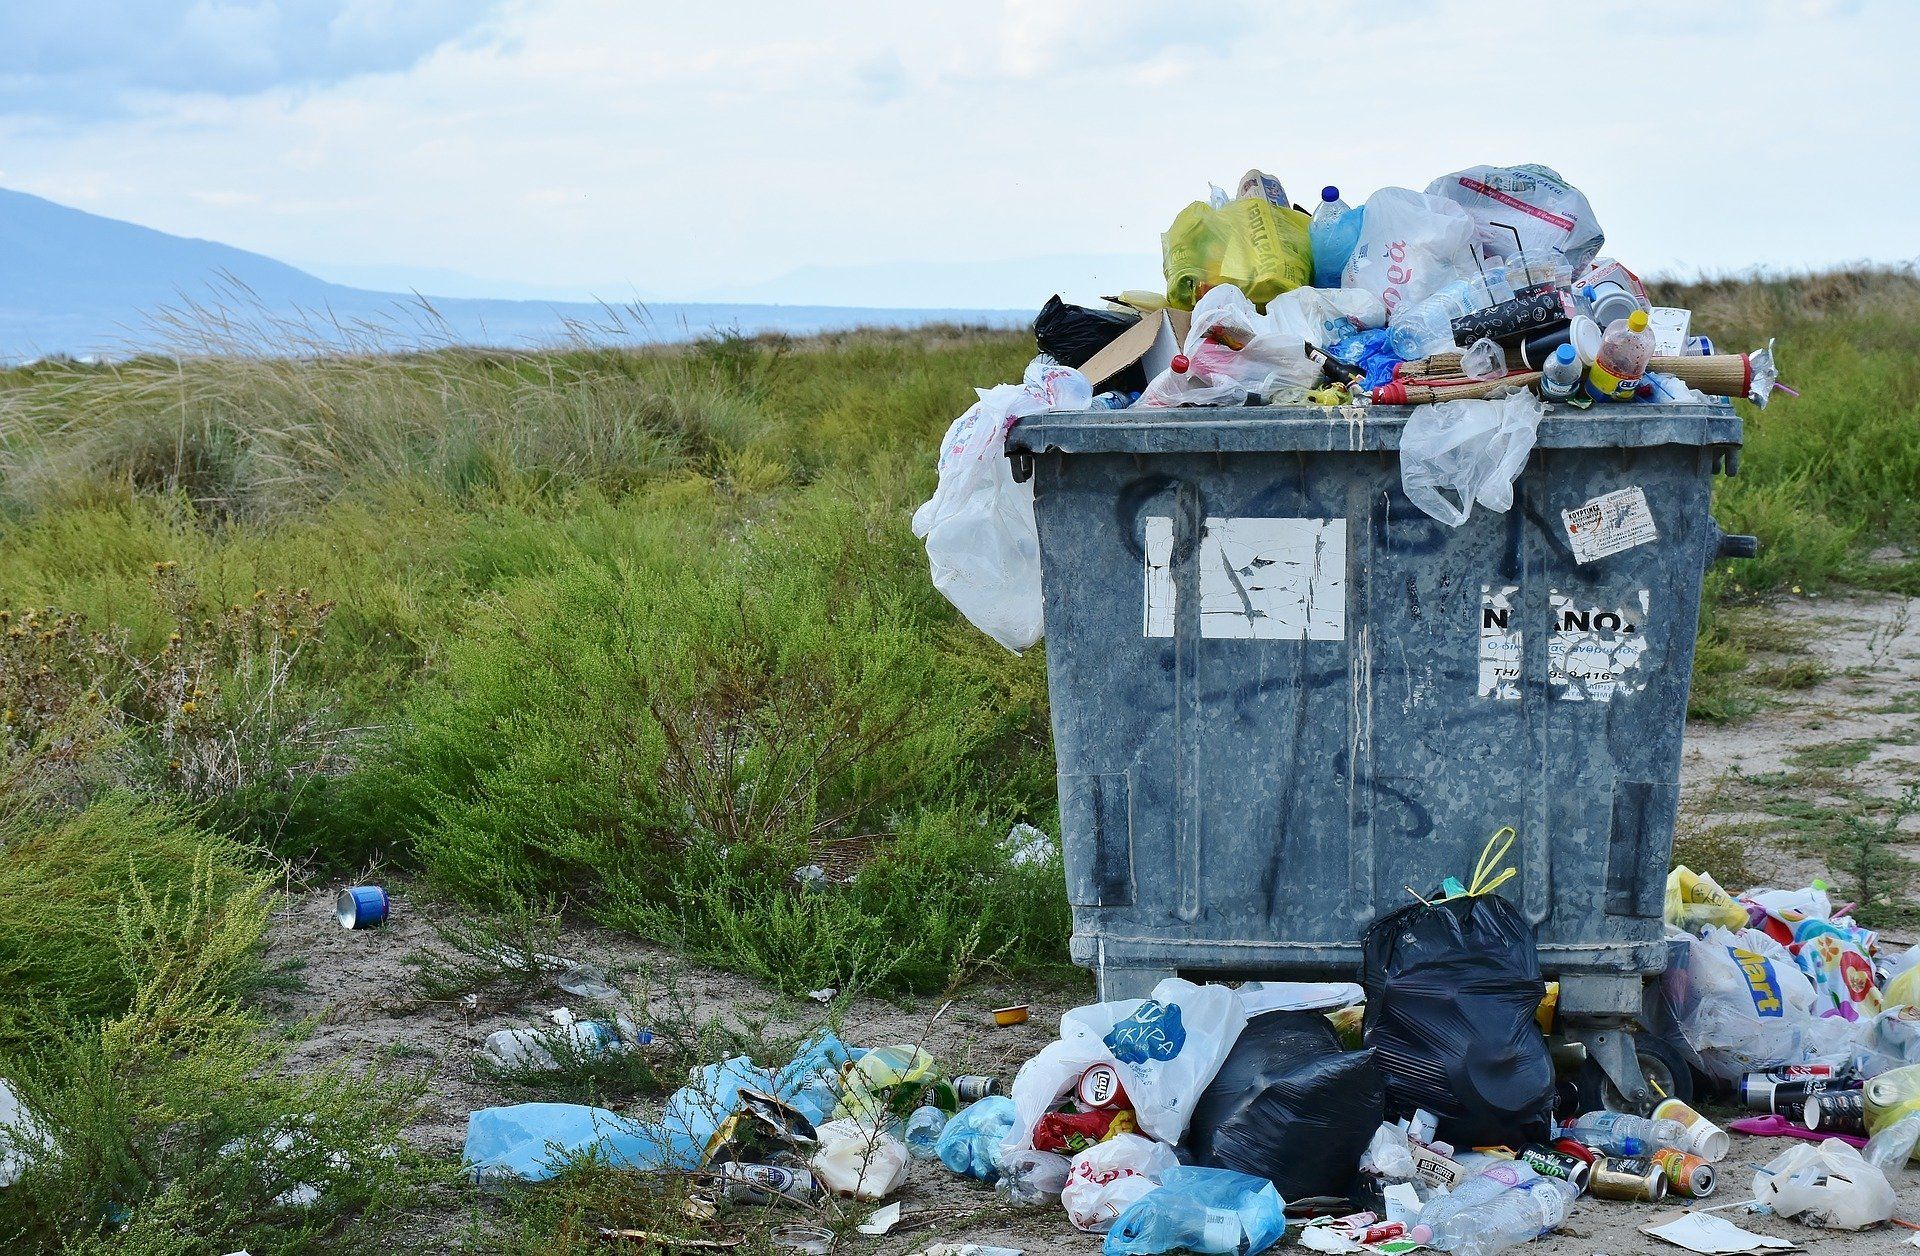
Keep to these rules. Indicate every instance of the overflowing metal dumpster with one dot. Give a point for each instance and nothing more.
(1284, 700)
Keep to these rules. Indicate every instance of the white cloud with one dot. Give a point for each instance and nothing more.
(685, 150)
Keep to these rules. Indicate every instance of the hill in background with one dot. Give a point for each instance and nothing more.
(84, 285)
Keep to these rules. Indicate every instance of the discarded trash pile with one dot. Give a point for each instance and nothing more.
(1479, 302)
(1418, 1108)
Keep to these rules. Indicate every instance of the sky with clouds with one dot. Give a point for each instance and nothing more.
(874, 150)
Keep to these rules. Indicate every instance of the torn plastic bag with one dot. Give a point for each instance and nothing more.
(1452, 988)
(1233, 351)
(970, 1145)
(1829, 1184)
(1165, 1048)
(1695, 901)
(1742, 1004)
(978, 525)
(1259, 247)
(1201, 1210)
(1070, 334)
(1107, 1177)
(1326, 316)
(1032, 1177)
(1524, 207)
(858, 1159)
(1290, 1106)
(1410, 246)
(1456, 453)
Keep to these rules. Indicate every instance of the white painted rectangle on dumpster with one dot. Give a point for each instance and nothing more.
(1158, 543)
(1608, 524)
(1260, 579)
(1594, 652)
(1500, 642)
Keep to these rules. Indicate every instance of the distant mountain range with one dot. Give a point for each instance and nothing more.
(81, 284)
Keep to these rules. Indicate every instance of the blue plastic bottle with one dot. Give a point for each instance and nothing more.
(1332, 234)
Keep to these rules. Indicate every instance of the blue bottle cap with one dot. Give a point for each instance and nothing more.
(1329, 193)
(1565, 353)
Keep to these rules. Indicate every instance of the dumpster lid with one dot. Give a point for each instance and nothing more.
(1351, 429)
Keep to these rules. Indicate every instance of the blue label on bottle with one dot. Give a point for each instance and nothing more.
(1153, 1032)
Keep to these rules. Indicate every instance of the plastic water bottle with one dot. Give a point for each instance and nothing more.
(1516, 1215)
(1476, 1191)
(1624, 353)
(1623, 1134)
(1332, 234)
(1426, 327)
(1561, 374)
(923, 1130)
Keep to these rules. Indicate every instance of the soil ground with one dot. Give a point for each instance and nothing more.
(1756, 797)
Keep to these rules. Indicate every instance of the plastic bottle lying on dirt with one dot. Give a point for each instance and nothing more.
(1622, 1134)
(1514, 1216)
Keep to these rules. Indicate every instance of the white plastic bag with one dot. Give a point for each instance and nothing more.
(1272, 358)
(858, 1160)
(1470, 449)
(1410, 246)
(978, 525)
(1325, 316)
(1743, 1008)
(1524, 207)
(1829, 1184)
(1166, 1048)
(1108, 1176)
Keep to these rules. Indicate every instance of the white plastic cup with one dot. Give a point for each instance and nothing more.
(1704, 1139)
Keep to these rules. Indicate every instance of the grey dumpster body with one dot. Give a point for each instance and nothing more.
(1284, 698)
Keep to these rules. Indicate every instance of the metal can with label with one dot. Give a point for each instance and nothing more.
(973, 1087)
(768, 1184)
(1548, 1162)
(1836, 1112)
(1100, 1087)
(1633, 1178)
(1687, 1174)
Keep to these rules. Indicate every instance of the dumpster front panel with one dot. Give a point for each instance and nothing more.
(1284, 698)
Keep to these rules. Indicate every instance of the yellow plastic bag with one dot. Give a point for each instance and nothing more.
(1902, 991)
(1891, 1096)
(878, 1075)
(1695, 901)
(1258, 247)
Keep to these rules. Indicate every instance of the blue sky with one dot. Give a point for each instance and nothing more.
(921, 153)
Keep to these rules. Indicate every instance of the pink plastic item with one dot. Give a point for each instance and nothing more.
(1776, 1126)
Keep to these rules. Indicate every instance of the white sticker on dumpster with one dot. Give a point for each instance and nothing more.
(1594, 652)
(1260, 579)
(1608, 524)
(1499, 643)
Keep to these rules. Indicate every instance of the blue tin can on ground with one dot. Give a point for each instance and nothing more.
(361, 907)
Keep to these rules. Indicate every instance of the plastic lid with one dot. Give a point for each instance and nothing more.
(1421, 1234)
(1329, 193)
(1637, 321)
(1584, 335)
(1566, 353)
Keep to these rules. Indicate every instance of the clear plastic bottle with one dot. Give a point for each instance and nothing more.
(1622, 1134)
(1426, 327)
(1516, 1215)
(1561, 374)
(1477, 1190)
(1625, 350)
(1334, 231)
(923, 1131)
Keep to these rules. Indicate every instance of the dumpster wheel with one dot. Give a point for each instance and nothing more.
(1665, 1069)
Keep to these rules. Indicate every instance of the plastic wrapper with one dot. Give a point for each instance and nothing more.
(978, 525)
(1410, 246)
(1451, 992)
(1232, 351)
(1072, 1132)
(856, 1158)
(1165, 1048)
(1695, 901)
(1841, 972)
(1070, 334)
(1826, 1184)
(1456, 453)
(1290, 1106)
(1201, 1210)
(1105, 1179)
(970, 1145)
(1257, 246)
(1524, 207)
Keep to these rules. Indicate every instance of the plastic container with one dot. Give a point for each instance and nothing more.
(1625, 350)
(923, 1131)
(1333, 233)
(1517, 1215)
(1623, 1134)
(1438, 1214)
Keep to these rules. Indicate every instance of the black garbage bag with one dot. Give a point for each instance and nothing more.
(1452, 988)
(1070, 334)
(1290, 1106)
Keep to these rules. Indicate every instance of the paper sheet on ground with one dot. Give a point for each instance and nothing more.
(1715, 1236)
